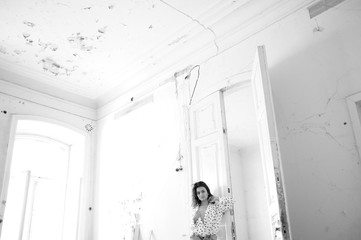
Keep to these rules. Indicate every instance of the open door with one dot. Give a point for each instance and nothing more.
(210, 153)
(209, 150)
(269, 146)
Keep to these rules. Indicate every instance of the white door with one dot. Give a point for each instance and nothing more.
(269, 146)
(209, 151)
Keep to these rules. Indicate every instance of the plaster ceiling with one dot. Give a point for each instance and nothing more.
(88, 47)
(90, 52)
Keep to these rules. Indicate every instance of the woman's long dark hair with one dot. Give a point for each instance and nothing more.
(195, 200)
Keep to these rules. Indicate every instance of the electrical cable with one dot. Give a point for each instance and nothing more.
(195, 85)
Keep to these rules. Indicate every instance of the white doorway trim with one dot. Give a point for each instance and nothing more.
(354, 107)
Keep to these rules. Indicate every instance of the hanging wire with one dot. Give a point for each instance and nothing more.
(195, 85)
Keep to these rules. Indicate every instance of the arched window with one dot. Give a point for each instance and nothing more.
(45, 181)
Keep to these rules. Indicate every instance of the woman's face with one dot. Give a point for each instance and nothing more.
(202, 193)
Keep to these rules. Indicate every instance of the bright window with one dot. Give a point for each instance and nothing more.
(45, 180)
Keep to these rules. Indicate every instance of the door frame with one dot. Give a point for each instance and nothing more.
(353, 103)
(239, 80)
(182, 85)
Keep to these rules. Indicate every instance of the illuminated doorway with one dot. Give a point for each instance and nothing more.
(44, 182)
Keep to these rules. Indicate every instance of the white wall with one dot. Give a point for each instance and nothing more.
(249, 192)
(238, 194)
(137, 152)
(311, 74)
(13, 105)
(259, 226)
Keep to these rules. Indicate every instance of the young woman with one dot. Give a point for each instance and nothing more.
(207, 212)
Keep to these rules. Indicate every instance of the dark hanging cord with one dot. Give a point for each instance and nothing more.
(195, 85)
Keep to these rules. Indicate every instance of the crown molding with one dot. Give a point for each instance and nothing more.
(27, 81)
(46, 100)
(236, 33)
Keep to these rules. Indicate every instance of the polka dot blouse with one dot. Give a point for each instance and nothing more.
(212, 217)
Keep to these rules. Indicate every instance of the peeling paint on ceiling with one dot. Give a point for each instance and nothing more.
(87, 46)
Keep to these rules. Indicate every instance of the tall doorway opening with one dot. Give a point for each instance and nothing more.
(246, 167)
(235, 147)
(43, 181)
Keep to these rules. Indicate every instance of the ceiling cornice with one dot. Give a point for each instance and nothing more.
(44, 99)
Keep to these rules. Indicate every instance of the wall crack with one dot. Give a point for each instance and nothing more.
(318, 123)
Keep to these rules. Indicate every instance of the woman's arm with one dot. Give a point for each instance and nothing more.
(225, 203)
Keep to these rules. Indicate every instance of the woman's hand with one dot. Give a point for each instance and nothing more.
(213, 199)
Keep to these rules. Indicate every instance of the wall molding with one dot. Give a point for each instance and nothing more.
(36, 97)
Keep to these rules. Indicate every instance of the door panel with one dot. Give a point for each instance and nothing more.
(269, 146)
(205, 120)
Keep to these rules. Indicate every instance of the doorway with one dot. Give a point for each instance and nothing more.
(241, 112)
(44, 181)
(246, 169)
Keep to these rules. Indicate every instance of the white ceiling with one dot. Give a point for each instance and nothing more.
(89, 51)
(88, 47)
